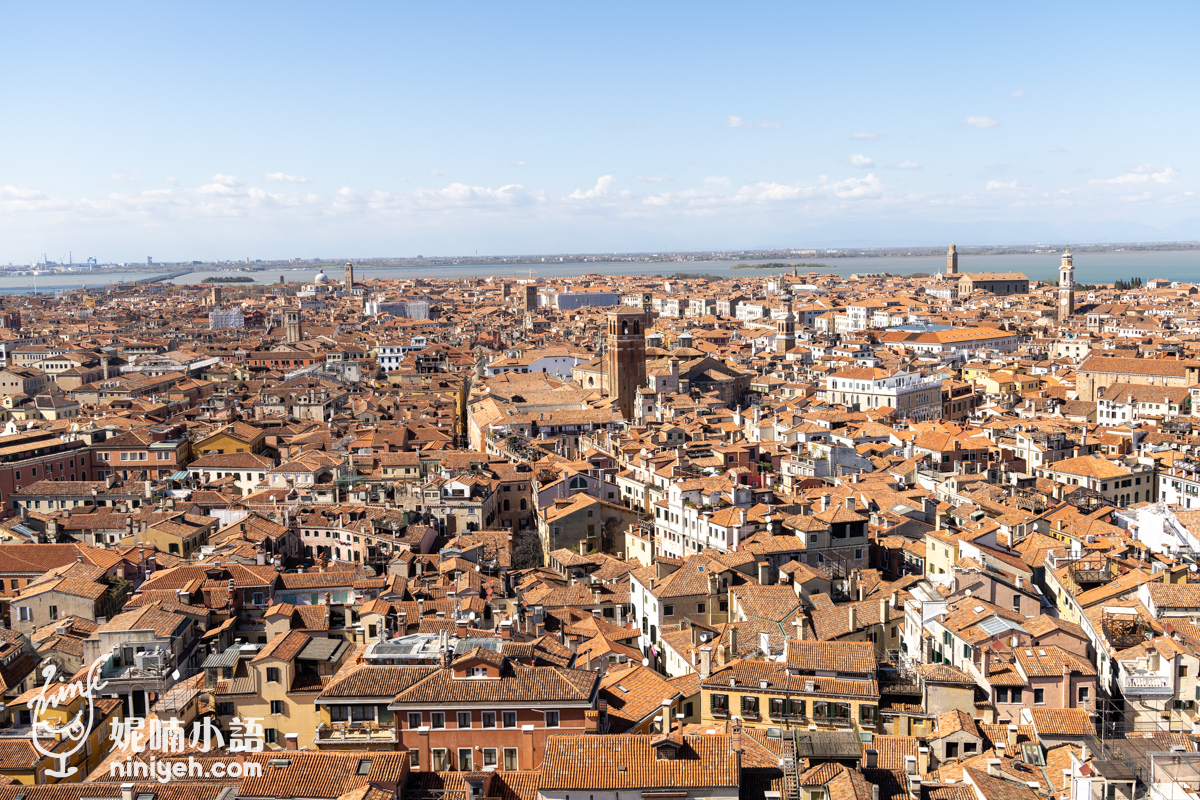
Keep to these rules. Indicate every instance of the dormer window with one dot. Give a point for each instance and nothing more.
(667, 753)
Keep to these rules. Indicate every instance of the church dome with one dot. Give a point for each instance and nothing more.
(321, 278)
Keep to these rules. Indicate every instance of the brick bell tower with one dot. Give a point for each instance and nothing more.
(625, 357)
(1066, 287)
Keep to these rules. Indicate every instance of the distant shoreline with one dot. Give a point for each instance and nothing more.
(667, 259)
(805, 265)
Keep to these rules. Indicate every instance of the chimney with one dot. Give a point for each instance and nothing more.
(126, 791)
(994, 767)
(1020, 582)
(764, 573)
(666, 716)
(853, 617)
(850, 503)
(1001, 749)
(883, 615)
(733, 643)
(506, 629)
(910, 765)
(291, 741)
(872, 760)
(824, 502)
(1012, 737)
(923, 760)
(895, 599)
(705, 663)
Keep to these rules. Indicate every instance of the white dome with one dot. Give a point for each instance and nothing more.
(321, 278)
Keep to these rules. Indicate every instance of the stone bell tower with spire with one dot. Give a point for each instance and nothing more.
(1066, 287)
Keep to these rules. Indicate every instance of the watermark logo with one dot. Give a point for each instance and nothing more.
(75, 730)
(165, 739)
(136, 735)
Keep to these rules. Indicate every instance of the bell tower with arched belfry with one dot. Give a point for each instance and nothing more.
(1066, 287)
(952, 260)
(785, 331)
(625, 357)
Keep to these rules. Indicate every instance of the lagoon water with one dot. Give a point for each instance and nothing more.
(1182, 265)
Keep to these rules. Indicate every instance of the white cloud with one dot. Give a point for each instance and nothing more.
(20, 193)
(599, 190)
(226, 180)
(869, 186)
(866, 135)
(1019, 93)
(982, 122)
(460, 195)
(437, 174)
(861, 161)
(738, 122)
(271, 212)
(283, 177)
(519, 164)
(1143, 174)
(908, 165)
(122, 178)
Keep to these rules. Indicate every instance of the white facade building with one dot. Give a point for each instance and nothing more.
(692, 519)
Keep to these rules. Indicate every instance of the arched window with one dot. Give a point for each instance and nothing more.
(578, 483)
(624, 327)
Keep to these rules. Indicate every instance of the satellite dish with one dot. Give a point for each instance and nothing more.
(645, 662)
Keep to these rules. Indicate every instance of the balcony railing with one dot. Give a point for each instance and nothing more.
(355, 733)
(1146, 684)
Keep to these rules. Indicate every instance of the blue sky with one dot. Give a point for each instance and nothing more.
(226, 130)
